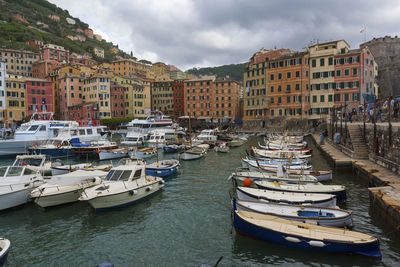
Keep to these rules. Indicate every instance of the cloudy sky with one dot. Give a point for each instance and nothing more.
(200, 33)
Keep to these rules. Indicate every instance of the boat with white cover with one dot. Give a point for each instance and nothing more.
(321, 175)
(319, 200)
(116, 153)
(193, 153)
(338, 190)
(5, 246)
(66, 188)
(208, 136)
(124, 185)
(306, 214)
(280, 154)
(16, 183)
(253, 164)
(303, 235)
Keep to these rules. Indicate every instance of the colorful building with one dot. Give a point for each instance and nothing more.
(118, 100)
(96, 89)
(71, 93)
(288, 85)
(159, 68)
(55, 52)
(127, 67)
(210, 98)
(3, 105)
(162, 97)
(322, 76)
(18, 62)
(255, 103)
(86, 114)
(42, 68)
(99, 52)
(16, 99)
(179, 97)
(39, 95)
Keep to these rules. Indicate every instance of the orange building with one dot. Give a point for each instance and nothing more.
(42, 68)
(210, 98)
(127, 67)
(288, 85)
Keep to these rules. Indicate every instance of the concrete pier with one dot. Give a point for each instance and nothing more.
(384, 191)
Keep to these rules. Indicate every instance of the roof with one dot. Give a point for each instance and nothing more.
(330, 42)
(36, 79)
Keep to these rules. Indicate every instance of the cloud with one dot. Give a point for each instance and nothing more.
(189, 33)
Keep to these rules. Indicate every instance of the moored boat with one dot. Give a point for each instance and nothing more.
(240, 176)
(338, 190)
(319, 200)
(192, 153)
(5, 246)
(143, 153)
(116, 153)
(65, 188)
(124, 185)
(306, 214)
(304, 236)
(222, 147)
(163, 168)
(235, 142)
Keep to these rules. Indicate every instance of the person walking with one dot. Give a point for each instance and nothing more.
(379, 115)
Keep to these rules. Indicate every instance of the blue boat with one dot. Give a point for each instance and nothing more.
(163, 168)
(54, 148)
(5, 246)
(304, 236)
(170, 149)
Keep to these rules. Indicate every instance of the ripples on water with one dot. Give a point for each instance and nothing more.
(187, 224)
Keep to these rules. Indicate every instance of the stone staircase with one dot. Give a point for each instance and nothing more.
(359, 146)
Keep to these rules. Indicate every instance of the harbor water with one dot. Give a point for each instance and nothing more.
(187, 224)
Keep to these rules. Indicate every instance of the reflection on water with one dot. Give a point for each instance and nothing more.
(187, 224)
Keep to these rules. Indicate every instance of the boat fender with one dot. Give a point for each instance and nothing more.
(148, 188)
(292, 239)
(131, 192)
(319, 244)
(161, 182)
(247, 182)
(94, 180)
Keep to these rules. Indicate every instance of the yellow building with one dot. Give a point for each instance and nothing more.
(162, 97)
(159, 68)
(126, 67)
(15, 99)
(96, 88)
(137, 95)
(322, 76)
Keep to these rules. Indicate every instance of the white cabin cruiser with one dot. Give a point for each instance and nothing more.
(134, 139)
(40, 128)
(208, 136)
(66, 188)
(124, 185)
(159, 138)
(155, 120)
(16, 183)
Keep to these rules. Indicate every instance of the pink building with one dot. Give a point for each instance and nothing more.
(39, 95)
(117, 93)
(55, 52)
(70, 88)
(85, 114)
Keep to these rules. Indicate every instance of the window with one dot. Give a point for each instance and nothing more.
(313, 63)
(288, 75)
(330, 61)
(322, 62)
(346, 72)
(272, 89)
(355, 71)
(337, 73)
(314, 99)
(322, 98)
(279, 76)
(329, 98)
(272, 77)
(297, 74)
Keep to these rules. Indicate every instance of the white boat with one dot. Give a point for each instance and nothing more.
(338, 190)
(236, 142)
(66, 188)
(254, 165)
(143, 153)
(160, 137)
(59, 168)
(240, 176)
(208, 136)
(204, 146)
(279, 154)
(192, 153)
(285, 148)
(16, 183)
(40, 128)
(35, 162)
(124, 185)
(222, 147)
(321, 175)
(306, 214)
(134, 139)
(318, 200)
(5, 246)
(114, 154)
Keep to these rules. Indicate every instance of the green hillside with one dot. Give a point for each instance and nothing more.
(14, 34)
(234, 71)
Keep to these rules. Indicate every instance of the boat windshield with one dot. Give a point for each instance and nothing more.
(118, 175)
(29, 161)
(23, 127)
(33, 128)
(3, 171)
(14, 171)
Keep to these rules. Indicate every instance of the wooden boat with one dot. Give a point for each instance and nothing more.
(279, 154)
(236, 142)
(143, 153)
(254, 165)
(94, 148)
(306, 214)
(285, 161)
(5, 246)
(66, 188)
(58, 167)
(222, 147)
(114, 153)
(173, 148)
(338, 190)
(124, 185)
(163, 168)
(192, 153)
(285, 148)
(318, 200)
(321, 175)
(240, 176)
(304, 236)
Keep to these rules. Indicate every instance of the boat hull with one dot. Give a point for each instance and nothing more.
(106, 155)
(5, 246)
(14, 199)
(45, 201)
(124, 198)
(10, 148)
(299, 242)
(162, 172)
(190, 156)
(52, 153)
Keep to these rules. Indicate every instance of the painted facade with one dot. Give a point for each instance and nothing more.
(39, 95)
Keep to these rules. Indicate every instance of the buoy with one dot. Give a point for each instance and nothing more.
(315, 243)
(292, 239)
(247, 182)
